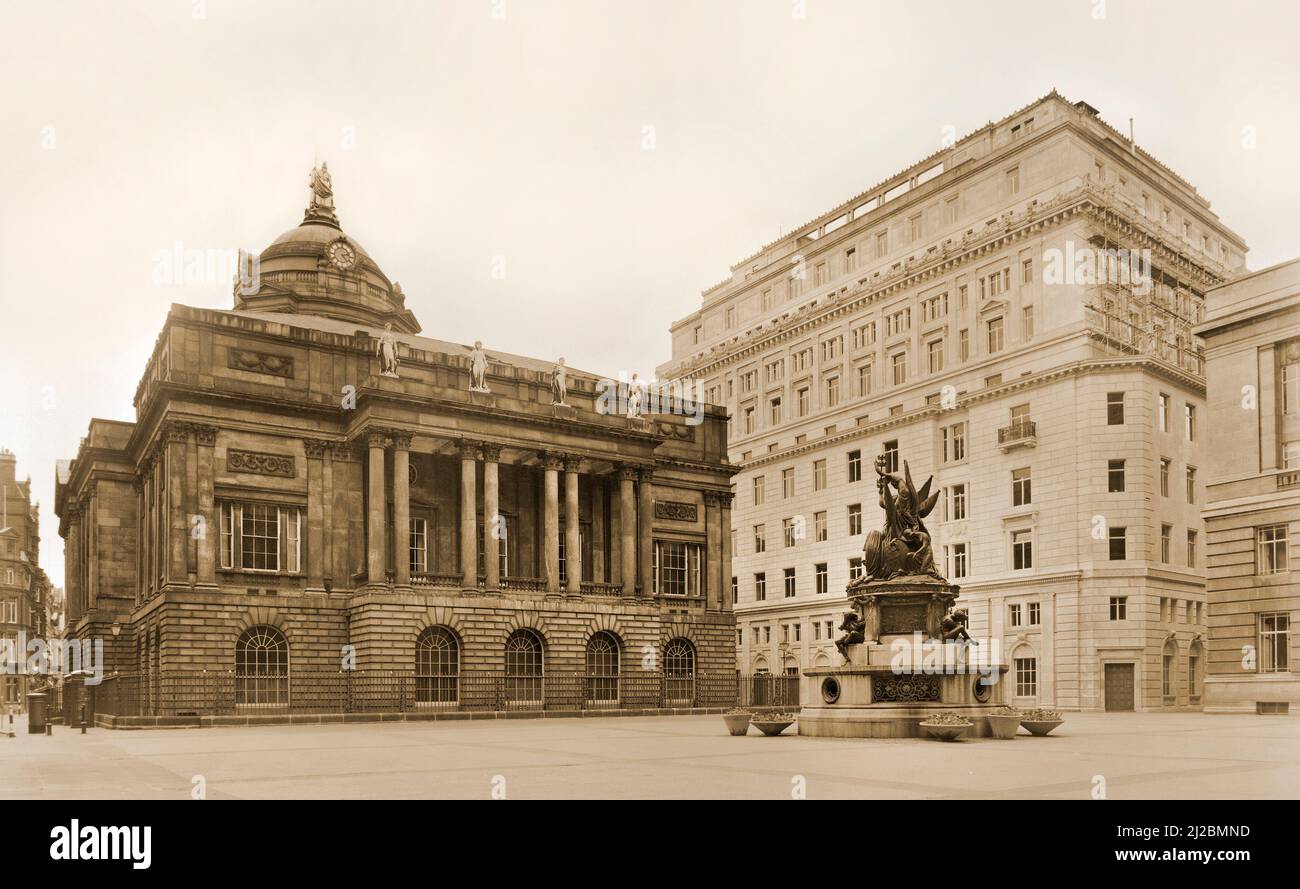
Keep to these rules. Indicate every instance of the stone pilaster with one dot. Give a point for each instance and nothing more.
(376, 549)
(205, 440)
(401, 509)
(713, 560)
(572, 528)
(314, 557)
(724, 503)
(645, 530)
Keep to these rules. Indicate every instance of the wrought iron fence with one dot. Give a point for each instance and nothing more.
(217, 693)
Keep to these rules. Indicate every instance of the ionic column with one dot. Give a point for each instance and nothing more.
(376, 550)
(468, 515)
(645, 525)
(572, 528)
(627, 529)
(724, 502)
(551, 464)
(206, 439)
(491, 512)
(713, 553)
(401, 509)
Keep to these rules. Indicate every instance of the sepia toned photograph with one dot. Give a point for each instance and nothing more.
(571, 400)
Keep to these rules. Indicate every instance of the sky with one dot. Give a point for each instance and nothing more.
(553, 178)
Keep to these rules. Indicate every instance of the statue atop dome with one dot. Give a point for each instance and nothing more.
(321, 208)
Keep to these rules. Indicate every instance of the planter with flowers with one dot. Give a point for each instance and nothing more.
(772, 724)
(1004, 722)
(946, 726)
(1041, 722)
(737, 721)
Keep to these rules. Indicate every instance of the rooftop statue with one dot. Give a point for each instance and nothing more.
(322, 195)
(902, 548)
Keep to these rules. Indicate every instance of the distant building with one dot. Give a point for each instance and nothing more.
(24, 588)
(310, 485)
(1252, 510)
(982, 315)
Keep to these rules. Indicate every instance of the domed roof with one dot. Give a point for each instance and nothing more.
(316, 268)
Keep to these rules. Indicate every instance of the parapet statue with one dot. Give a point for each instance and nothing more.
(322, 195)
(478, 365)
(635, 397)
(559, 383)
(386, 349)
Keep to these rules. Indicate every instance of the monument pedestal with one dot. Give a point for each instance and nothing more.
(904, 672)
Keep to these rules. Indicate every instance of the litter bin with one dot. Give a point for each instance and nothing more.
(36, 715)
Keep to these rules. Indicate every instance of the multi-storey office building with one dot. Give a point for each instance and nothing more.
(974, 316)
(1252, 511)
(24, 587)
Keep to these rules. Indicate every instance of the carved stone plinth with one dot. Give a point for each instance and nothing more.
(903, 606)
(482, 398)
(564, 411)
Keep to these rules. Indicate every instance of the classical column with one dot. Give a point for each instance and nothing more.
(551, 521)
(468, 515)
(724, 502)
(72, 565)
(713, 550)
(376, 550)
(401, 509)
(491, 520)
(205, 459)
(627, 529)
(572, 528)
(645, 510)
(175, 436)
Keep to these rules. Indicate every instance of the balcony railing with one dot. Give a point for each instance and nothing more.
(223, 693)
(1021, 432)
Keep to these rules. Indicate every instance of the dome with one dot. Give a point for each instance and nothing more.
(317, 269)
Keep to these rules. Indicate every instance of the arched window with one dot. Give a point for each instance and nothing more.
(524, 667)
(437, 667)
(602, 669)
(679, 671)
(262, 668)
(1194, 673)
(1168, 672)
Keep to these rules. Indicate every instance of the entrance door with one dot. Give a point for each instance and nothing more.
(1119, 686)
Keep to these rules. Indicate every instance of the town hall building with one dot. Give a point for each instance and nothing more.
(310, 488)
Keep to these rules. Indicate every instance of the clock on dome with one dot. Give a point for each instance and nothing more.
(341, 254)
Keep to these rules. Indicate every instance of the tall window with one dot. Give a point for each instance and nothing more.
(788, 531)
(819, 475)
(819, 525)
(760, 538)
(1115, 476)
(789, 583)
(954, 443)
(864, 378)
(1191, 549)
(1013, 615)
(787, 483)
(957, 503)
(1162, 412)
(261, 537)
(1191, 484)
(1027, 322)
(1021, 487)
(890, 452)
(760, 489)
(760, 586)
(855, 519)
(678, 568)
(898, 367)
(1189, 421)
(960, 561)
(935, 355)
(262, 668)
(855, 466)
(1026, 677)
(1164, 476)
(995, 335)
(523, 680)
(679, 670)
(1274, 642)
(1114, 408)
(1291, 388)
(963, 344)
(1022, 550)
(1167, 661)
(832, 391)
(419, 546)
(1166, 542)
(437, 666)
(602, 669)
(823, 577)
(1272, 547)
(1118, 544)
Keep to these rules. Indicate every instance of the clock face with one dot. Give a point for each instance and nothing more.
(342, 255)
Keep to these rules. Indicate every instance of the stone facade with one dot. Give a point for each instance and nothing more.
(1252, 511)
(24, 587)
(277, 481)
(959, 299)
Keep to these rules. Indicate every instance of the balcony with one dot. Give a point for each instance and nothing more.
(1020, 434)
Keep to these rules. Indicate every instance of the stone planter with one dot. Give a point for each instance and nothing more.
(1004, 726)
(946, 731)
(1041, 727)
(772, 727)
(737, 723)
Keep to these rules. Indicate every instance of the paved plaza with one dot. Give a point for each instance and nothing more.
(1140, 756)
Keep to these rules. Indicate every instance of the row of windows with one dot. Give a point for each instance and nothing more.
(262, 666)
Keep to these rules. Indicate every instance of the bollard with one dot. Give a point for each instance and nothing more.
(83, 719)
(49, 728)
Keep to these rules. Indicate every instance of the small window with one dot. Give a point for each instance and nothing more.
(1115, 476)
(1119, 607)
(1118, 544)
(1271, 543)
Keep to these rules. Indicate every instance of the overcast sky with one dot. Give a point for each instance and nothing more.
(612, 157)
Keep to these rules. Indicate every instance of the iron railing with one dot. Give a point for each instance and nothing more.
(218, 693)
